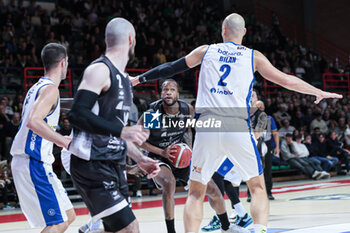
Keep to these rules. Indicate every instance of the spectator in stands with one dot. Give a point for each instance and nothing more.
(333, 127)
(6, 102)
(320, 123)
(11, 129)
(316, 133)
(6, 184)
(285, 129)
(320, 153)
(342, 126)
(66, 127)
(307, 166)
(298, 121)
(308, 117)
(336, 150)
(347, 138)
(282, 114)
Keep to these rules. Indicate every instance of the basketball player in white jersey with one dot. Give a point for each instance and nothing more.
(42, 197)
(225, 83)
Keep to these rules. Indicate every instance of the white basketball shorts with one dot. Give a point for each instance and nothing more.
(210, 149)
(42, 197)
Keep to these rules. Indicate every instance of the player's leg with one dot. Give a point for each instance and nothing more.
(166, 180)
(259, 207)
(58, 228)
(104, 189)
(207, 156)
(123, 221)
(243, 153)
(193, 212)
(217, 202)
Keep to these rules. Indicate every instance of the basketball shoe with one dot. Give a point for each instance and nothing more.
(244, 221)
(213, 225)
(91, 226)
(235, 229)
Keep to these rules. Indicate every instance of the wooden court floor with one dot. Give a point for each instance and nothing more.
(300, 207)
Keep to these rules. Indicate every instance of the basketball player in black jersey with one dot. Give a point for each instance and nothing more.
(160, 145)
(101, 139)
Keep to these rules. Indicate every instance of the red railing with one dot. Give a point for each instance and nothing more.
(339, 83)
(305, 37)
(30, 79)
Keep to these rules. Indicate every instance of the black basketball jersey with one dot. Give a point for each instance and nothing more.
(164, 137)
(112, 105)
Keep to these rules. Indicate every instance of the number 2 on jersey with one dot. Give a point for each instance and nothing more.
(226, 69)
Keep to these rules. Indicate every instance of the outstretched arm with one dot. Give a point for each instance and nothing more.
(169, 69)
(291, 82)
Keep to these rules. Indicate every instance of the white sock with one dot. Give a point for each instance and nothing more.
(260, 228)
(240, 209)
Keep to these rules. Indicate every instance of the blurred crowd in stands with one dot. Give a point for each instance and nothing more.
(167, 30)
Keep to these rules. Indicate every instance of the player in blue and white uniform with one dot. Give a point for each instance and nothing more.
(42, 197)
(224, 92)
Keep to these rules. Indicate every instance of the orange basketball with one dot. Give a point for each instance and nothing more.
(182, 155)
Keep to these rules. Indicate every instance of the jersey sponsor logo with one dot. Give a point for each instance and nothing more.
(115, 143)
(32, 141)
(151, 120)
(197, 169)
(227, 53)
(218, 91)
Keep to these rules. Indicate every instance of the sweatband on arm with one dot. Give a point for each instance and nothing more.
(165, 70)
(83, 118)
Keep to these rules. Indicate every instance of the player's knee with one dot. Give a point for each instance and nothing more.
(256, 184)
(213, 192)
(71, 216)
(168, 184)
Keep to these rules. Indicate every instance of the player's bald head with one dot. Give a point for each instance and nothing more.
(234, 25)
(118, 31)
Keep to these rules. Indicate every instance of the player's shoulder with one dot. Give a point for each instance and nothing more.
(96, 68)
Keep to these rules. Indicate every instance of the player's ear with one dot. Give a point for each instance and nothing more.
(130, 40)
(245, 31)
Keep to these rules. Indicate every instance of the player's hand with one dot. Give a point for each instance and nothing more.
(65, 143)
(167, 152)
(135, 133)
(134, 170)
(134, 80)
(149, 166)
(277, 151)
(325, 95)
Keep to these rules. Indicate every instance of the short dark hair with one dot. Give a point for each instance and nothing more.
(289, 135)
(52, 54)
(170, 80)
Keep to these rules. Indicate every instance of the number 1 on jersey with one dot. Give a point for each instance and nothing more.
(226, 69)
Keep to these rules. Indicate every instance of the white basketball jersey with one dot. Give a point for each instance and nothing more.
(226, 80)
(26, 141)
